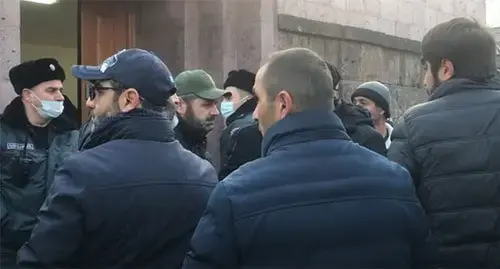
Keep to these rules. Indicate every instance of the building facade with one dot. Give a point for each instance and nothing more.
(366, 39)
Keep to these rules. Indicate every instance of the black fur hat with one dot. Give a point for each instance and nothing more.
(241, 79)
(31, 73)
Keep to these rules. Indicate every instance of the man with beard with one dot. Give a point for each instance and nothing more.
(133, 196)
(196, 109)
(451, 144)
(38, 130)
(88, 128)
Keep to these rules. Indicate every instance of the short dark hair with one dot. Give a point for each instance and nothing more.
(464, 42)
(304, 74)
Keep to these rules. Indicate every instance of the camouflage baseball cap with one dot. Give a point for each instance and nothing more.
(199, 83)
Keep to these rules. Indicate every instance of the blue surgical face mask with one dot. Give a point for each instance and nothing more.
(226, 108)
(49, 109)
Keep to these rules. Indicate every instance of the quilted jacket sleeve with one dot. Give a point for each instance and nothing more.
(401, 150)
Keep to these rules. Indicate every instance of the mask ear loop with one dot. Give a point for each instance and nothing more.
(31, 103)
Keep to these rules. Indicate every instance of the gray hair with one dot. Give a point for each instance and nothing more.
(302, 73)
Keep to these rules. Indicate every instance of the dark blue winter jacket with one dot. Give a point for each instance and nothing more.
(132, 199)
(314, 200)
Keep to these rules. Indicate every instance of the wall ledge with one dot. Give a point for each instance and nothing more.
(289, 23)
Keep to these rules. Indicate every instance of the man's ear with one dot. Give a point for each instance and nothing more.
(131, 100)
(26, 95)
(448, 69)
(285, 103)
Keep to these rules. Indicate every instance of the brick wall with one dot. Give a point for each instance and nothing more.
(403, 18)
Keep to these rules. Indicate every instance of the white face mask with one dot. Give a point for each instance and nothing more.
(49, 109)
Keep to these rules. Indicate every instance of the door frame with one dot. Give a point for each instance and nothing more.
(81, 91)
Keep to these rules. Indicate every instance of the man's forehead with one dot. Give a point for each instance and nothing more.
(362, 98)
(55, 84)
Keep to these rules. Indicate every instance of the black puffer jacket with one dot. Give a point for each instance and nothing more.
(26, 172)
(359, 126)
(451, 146)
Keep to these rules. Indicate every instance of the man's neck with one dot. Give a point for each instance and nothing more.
(381, 128)
(34, 118)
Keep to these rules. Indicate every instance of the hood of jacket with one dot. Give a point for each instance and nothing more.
(457, 85)
(302, 127)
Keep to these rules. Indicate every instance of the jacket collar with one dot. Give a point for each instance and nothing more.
(457, 85)
(137, 124)
(14, 116)
(302, 127)
(246, 108)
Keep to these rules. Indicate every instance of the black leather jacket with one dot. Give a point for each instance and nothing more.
(26, 171)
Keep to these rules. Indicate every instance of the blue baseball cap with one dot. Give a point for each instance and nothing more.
(133, 68)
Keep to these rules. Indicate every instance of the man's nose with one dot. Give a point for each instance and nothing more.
(214, 111)
(90, 103)
(59, 96)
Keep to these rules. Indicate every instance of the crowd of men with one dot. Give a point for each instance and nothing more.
(308, 179)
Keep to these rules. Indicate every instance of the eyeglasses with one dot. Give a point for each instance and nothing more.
(93, 90)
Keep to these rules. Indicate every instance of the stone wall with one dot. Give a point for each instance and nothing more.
(361, 55)
(10, 46)
(403, 18)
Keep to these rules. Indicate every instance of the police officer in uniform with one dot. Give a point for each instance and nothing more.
(38, 129)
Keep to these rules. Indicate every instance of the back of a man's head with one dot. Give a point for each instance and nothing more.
(464, 42)
(303, 74)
